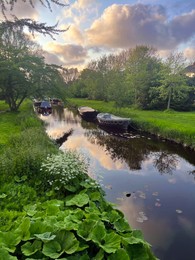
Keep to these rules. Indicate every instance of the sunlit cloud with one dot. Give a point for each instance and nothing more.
(22, 10)
(124, 26)
(69, 54)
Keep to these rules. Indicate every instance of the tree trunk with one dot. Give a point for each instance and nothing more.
(169, 98)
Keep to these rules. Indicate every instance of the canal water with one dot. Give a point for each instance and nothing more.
(151, 181)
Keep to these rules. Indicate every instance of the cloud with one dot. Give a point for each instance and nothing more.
(83, 4)
(22, 10)
(189, 53)
(125, 26)
(68, 54)
(74, 34)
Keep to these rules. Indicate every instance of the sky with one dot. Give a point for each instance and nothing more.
(96, 28)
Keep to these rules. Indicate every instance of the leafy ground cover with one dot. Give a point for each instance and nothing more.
(50, 208)
(172, 125)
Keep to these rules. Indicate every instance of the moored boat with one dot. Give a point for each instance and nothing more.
(87, 113)
(109, 120)
(43, 107)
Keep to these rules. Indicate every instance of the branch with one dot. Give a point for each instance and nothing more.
(32, 25)
(11, 3)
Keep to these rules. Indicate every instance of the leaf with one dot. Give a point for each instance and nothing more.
(52, 249)
(79, 200)
(4, 255)
(122, 225)
(98, 233)
(68, 241)
(17, 179)
(31, 210)
(131, 239)
(45, 236)
(119, 254)
(95, 196)
(31, 248)
(85, 229)
(3, 195)
(24, 178)
(111, 216)
(23, 229)
(112, 243)
(9, 240)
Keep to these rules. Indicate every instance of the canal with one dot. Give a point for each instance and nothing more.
(151, 181)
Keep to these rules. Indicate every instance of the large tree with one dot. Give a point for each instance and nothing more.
(141, 72)
(23, 72)
(173, 86)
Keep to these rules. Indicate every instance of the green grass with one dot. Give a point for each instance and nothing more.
(11, 123)
(177, 126)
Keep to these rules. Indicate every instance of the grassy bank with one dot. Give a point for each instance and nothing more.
(172, 125)
(50, 208)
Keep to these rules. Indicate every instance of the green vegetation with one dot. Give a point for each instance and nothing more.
(173, 125)
(50, 208)
(137, 78)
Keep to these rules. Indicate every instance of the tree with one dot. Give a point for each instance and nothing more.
(173, 83)
(141, 71)
(23, 72)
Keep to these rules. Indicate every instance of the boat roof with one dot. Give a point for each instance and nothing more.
(85, 108)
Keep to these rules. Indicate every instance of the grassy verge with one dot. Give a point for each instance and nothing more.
(50, 208)
(172, 125)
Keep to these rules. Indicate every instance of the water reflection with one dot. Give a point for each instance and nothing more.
(151, 181)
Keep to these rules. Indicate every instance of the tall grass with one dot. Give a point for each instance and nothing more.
(176, 126)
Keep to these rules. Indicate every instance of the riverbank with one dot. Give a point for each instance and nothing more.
(171, 125)
(50, 207)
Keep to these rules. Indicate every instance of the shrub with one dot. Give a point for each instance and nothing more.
(64, 171)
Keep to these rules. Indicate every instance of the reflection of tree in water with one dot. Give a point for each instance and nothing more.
(58, 113)
(132, 151)
(165, 162)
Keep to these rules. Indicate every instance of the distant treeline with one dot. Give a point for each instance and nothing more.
(137, 78)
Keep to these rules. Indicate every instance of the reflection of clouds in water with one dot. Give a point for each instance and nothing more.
(96, 152)
(187, 225)
(156, 231)
(172, 180)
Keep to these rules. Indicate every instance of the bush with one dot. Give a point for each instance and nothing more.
(64, 171)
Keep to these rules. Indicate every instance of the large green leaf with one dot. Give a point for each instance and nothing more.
(79, 200)
(23, 229)
(135, 237)
(122, 225)
(4, 255)
(40, 227)
(85, 229)
(9, 240)
(47, 236)
(52, 249)
(68, 241)
(98, 233)
(111, 216)
(120, 254)
(31, 248)
(31, 210)
(69, 223)
(111, 243)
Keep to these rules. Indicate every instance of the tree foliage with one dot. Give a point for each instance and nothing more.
(137, 77)
(23, 71)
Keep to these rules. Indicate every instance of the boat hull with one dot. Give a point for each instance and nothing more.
(88, 113)
(111, 121)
